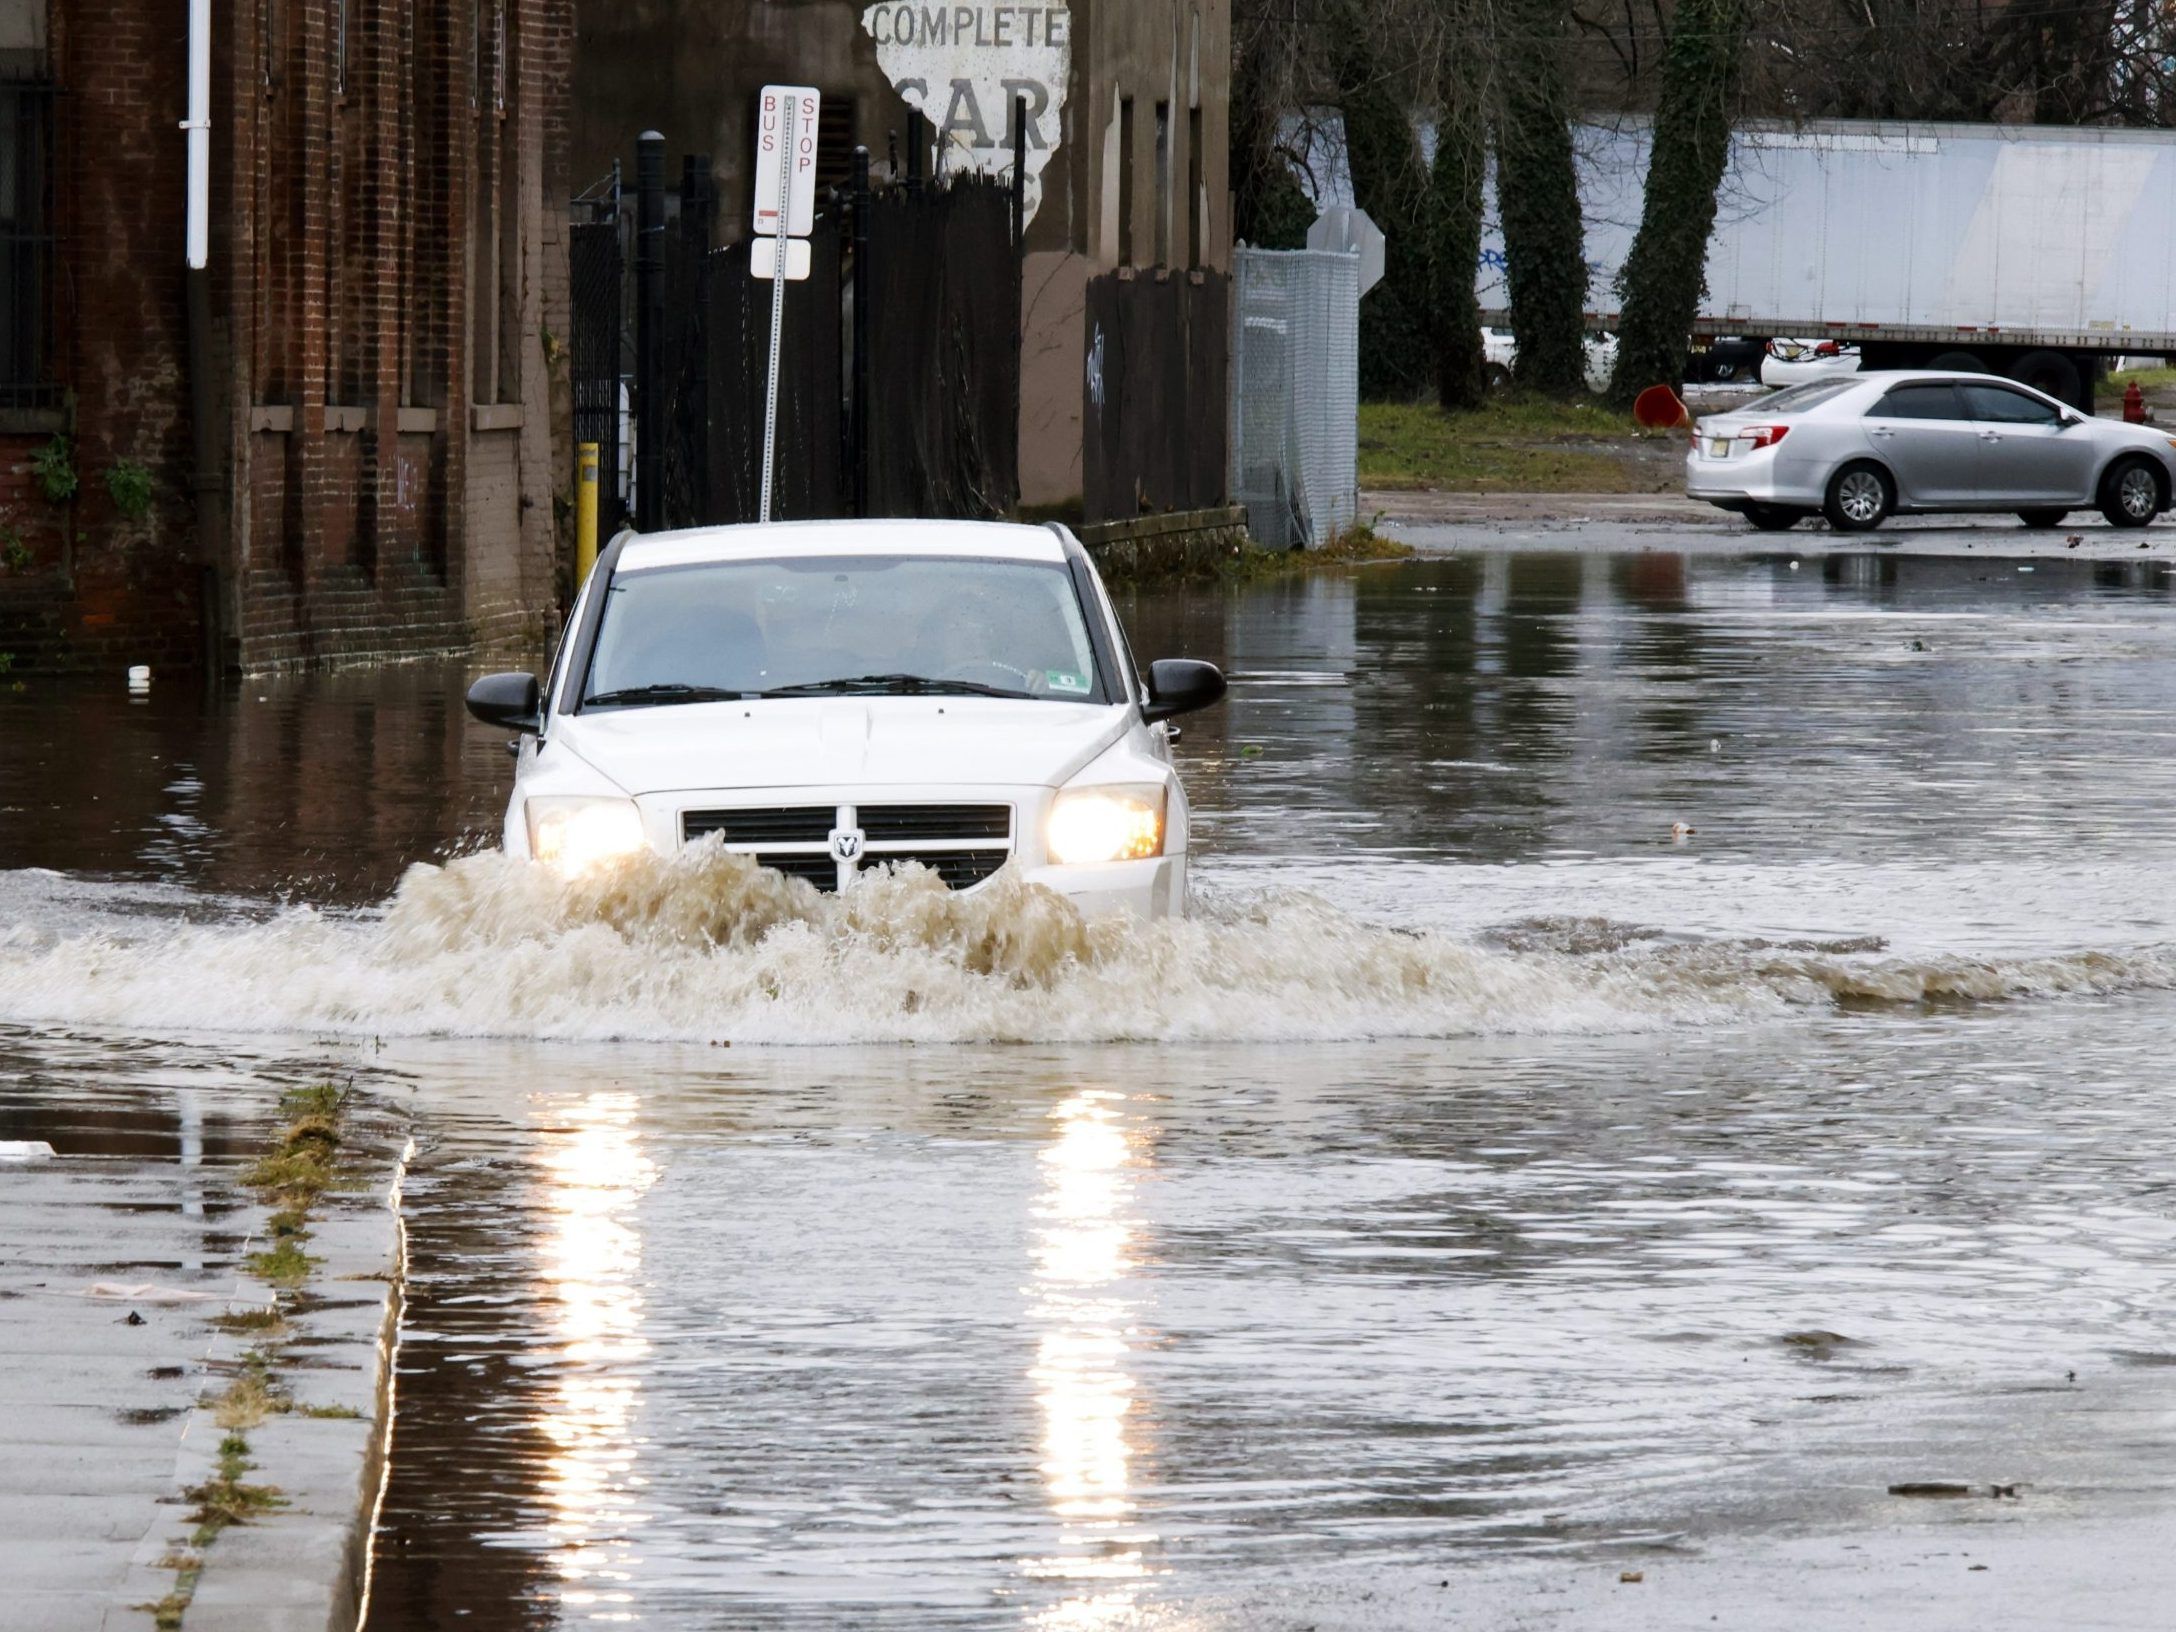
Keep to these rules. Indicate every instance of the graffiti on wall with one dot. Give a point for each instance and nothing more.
(962, 67)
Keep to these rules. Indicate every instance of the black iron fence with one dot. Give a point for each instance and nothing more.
(906, 406)
(27, 375)
(596, 258)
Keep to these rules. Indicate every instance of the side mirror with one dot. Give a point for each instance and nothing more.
(509, 700)
(1179, 685)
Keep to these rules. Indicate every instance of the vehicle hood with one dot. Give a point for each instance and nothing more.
(2117, 433)
(832, 742)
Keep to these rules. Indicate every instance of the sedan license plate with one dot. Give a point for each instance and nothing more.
(1718, 447)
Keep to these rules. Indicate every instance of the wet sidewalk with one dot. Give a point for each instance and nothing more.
(129, 1311)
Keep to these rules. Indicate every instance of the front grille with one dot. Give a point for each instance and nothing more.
(792, 824)
(952, 841)
(912, 824)
(959, 869)
(814, 865)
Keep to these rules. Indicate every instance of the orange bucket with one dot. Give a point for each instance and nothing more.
(1658, 408)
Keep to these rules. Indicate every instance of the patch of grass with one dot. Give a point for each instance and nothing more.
(1362, 543)
(1513, 444)
(299, 1168)
(284, 1264)
(1355, 546)
(253, 1395)
(342, 1413)
(166, 1614)
(2146, 379)
(304, 1163)
(225, 1499)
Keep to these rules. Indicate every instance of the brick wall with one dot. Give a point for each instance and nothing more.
(357, 361)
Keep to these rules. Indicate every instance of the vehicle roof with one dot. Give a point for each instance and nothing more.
(1894, 376)
(1874, 381)
(689, 546)
(1886, 377)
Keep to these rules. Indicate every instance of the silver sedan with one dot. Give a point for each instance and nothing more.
(1861, 449)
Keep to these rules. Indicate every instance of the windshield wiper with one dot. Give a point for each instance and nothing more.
(880, 684)
(670, 691)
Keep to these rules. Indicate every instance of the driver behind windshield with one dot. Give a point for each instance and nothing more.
(751, 627)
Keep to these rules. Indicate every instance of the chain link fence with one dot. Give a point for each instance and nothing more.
(1295, 393)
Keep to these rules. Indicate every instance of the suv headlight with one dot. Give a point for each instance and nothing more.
(1123, 823)
(577, 833)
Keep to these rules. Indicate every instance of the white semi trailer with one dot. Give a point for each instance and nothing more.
(2031, 251)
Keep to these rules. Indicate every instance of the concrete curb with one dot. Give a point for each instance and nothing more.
(305, 1566)
(1426, 507)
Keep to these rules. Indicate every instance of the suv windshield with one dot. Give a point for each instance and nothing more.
(846, 625)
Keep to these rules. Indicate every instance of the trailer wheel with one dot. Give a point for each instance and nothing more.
(2131, 493)
(1860, 497)
(2042, 518)
(1495, 376)
(2048, 371)
(1959, 362)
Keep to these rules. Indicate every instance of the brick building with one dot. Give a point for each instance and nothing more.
(345, 438)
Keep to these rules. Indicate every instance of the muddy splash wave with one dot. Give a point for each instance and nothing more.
(706, 947)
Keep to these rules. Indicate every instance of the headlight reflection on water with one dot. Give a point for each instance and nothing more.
(595, 1174)
(1083, 1251)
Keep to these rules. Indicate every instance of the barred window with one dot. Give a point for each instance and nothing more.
(26, 244)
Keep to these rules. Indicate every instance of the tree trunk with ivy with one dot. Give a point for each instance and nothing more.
(1537, 191)
(1454, 218)
(1390, 182)
(1665, 274)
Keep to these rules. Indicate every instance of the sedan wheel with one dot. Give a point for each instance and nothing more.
(1859, 499)
(1773, 518)
(2130, 496)
(2042, 518)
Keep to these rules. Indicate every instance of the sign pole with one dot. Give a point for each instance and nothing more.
(778, 301)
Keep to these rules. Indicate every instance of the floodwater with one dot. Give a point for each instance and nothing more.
(1673, 1045)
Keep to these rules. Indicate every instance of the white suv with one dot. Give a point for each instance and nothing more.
(832, 697)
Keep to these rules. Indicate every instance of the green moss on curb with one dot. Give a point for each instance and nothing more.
(292, 1176)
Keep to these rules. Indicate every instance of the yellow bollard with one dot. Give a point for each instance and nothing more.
(585, 511)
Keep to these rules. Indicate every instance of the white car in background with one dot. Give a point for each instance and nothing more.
(1797, 362)
(1918, 442)
(832, 698)
(1500, 359)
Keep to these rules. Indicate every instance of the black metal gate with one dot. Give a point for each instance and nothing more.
(938, 431)
(595, 257)
(1153, 409)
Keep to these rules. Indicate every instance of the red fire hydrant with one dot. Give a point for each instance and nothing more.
(2134, 404)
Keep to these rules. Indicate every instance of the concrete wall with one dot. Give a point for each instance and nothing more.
(1174, 52)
